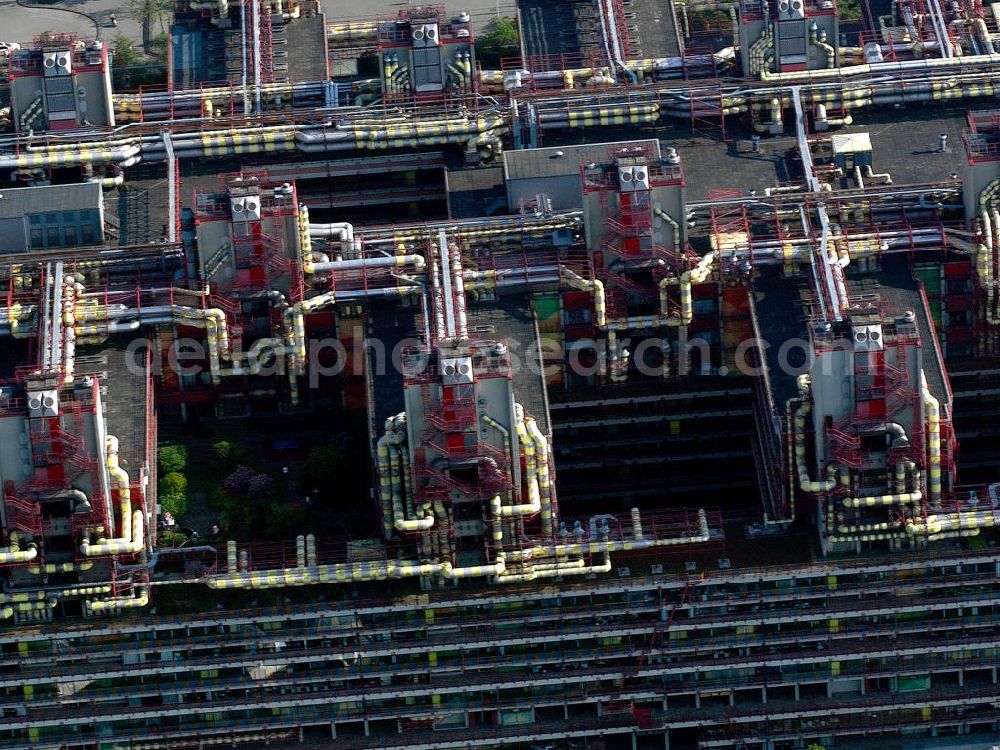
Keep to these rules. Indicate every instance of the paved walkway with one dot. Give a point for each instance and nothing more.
(21, 23)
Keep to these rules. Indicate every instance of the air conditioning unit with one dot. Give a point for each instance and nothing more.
(425, 35)
(246, 208)
(631, 179)
(57, 63)
(43, 403)
(791, 9)
(867, 338)
(456, 370)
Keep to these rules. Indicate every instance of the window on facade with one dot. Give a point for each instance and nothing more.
(37, 239)
(52, 240)
(87, 233)
(69, 236)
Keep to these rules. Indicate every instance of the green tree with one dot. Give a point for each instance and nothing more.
(849, 10)
(326, 466)
(228, 455)
(498, 41)
(126, 55)
(173, 493)
(172, 538)
(173, 458)
(218, 498)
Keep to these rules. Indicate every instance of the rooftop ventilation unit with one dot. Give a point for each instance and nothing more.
(456, 370)
(57, 63)
(425, 35)
(43, 403)
(631, 179)
(791, 10)
(867, 338)
(246, 208)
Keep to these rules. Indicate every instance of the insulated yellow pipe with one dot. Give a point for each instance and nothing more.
(933, 414)
(527, 448)
(569, 568)
(385, 484)
(488, 420)
(499, 564)
(541, 446)
(944, 523)
(696, 275)
(806, 483)
(674, 225)
(337, 573)
(831, 54)
(67, 567)
(138, 600)
(13, 552)
(904, 498)
(595, 287)
(23, 596)
(865, 537)
(18, 314)
(986, 259)
(132, 534)
(391, 569)
(305, 241)
(625, 545)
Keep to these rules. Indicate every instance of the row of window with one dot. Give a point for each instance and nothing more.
(64, 217)
(62, 236)
(64, 228)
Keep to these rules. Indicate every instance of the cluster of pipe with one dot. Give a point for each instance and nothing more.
(987, 258)
(556, 553)
(31, 604)
(643, 70)
(13, 553)
(84, 318)
(395, 77)
(407, 510)
(138, 599)
(362, 133)
(665, 318)
(817, 38)
(28, 604)
(352, 34)
(132, 524)
(909, 484)
(461, 71)
(849, 247)
(762, 52)
(214, 102)
(396, 482)
(917, 81)
(958, 64)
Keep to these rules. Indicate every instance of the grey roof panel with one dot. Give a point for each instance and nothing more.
(546, 162)
(16, 202)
